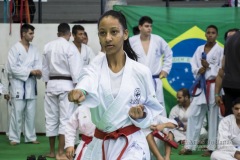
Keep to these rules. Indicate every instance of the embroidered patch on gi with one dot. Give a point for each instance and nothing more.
(213, 60)
(137, 96)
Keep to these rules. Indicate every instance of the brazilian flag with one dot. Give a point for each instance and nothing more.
(184, 30)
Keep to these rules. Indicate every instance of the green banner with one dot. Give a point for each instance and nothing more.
(184, 30)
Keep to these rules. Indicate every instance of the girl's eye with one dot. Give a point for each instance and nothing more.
(114, 32)
(102, 33)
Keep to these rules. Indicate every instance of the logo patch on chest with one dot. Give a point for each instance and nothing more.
(137, 96)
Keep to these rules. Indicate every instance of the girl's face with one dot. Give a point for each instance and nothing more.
(111, 35)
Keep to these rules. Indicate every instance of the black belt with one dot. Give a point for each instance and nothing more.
(60, 78)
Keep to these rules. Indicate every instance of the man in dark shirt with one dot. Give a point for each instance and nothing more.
(228, 76)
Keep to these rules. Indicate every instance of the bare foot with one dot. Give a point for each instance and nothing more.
(33, 142)
(61, 157)
(50, 155)
(13, 143)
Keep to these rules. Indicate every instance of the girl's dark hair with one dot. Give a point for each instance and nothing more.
(122, 20)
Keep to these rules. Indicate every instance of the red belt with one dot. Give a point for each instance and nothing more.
(86, 140)
(208, 83)
(124, 132)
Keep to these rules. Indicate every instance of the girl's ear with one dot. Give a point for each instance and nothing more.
(125, 34)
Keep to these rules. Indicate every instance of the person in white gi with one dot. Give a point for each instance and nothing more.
(80, 120)
(150, 48)
(6, 94)
(85, 38)
(1, 88)
(23, 66)
(85, 51)
(120, 94)
(205, 102)
(61, 68)
(160, 150)
(228, 146)
(180, 111)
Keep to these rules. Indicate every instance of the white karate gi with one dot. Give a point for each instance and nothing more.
(158, 48)
(1, 88)
(86, 54)
(109, 113)
(59, 59)
(81, 120)
(160, 144)
(198, 107)
(23, 90)
(5, 83)
(182, 114)
(228, 139)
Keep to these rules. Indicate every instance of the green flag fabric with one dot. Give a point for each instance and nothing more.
(184, 30)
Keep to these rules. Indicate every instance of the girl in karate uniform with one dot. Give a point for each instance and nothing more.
(120, 94)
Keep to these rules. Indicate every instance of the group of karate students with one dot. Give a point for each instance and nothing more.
(114, 102)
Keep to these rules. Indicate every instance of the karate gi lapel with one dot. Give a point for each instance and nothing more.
(212, 57)
(142, 57)
(115, 107)
(26, 57)
(151, 52)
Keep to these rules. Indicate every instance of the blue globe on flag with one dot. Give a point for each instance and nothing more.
(181, 75)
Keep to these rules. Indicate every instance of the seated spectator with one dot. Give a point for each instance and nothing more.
(179, 113)
(228, 147)
(160, 150)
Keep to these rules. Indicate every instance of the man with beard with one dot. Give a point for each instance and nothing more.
(179, 113)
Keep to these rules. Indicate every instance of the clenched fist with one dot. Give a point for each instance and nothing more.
(76, 96)
(137, 112)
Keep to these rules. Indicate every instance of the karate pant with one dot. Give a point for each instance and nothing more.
(57, 112)
(27, 109)
(195, 122)
(159, 94)
(222, 155)
(9, 110)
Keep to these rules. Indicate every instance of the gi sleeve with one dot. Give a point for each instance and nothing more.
(5, 80)
(167, 58)
(37, 64)
(224, 137)
(195, 63)
(45, 66)
(151, 105)
(15, 65)
(71, 129)
(89, 80)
